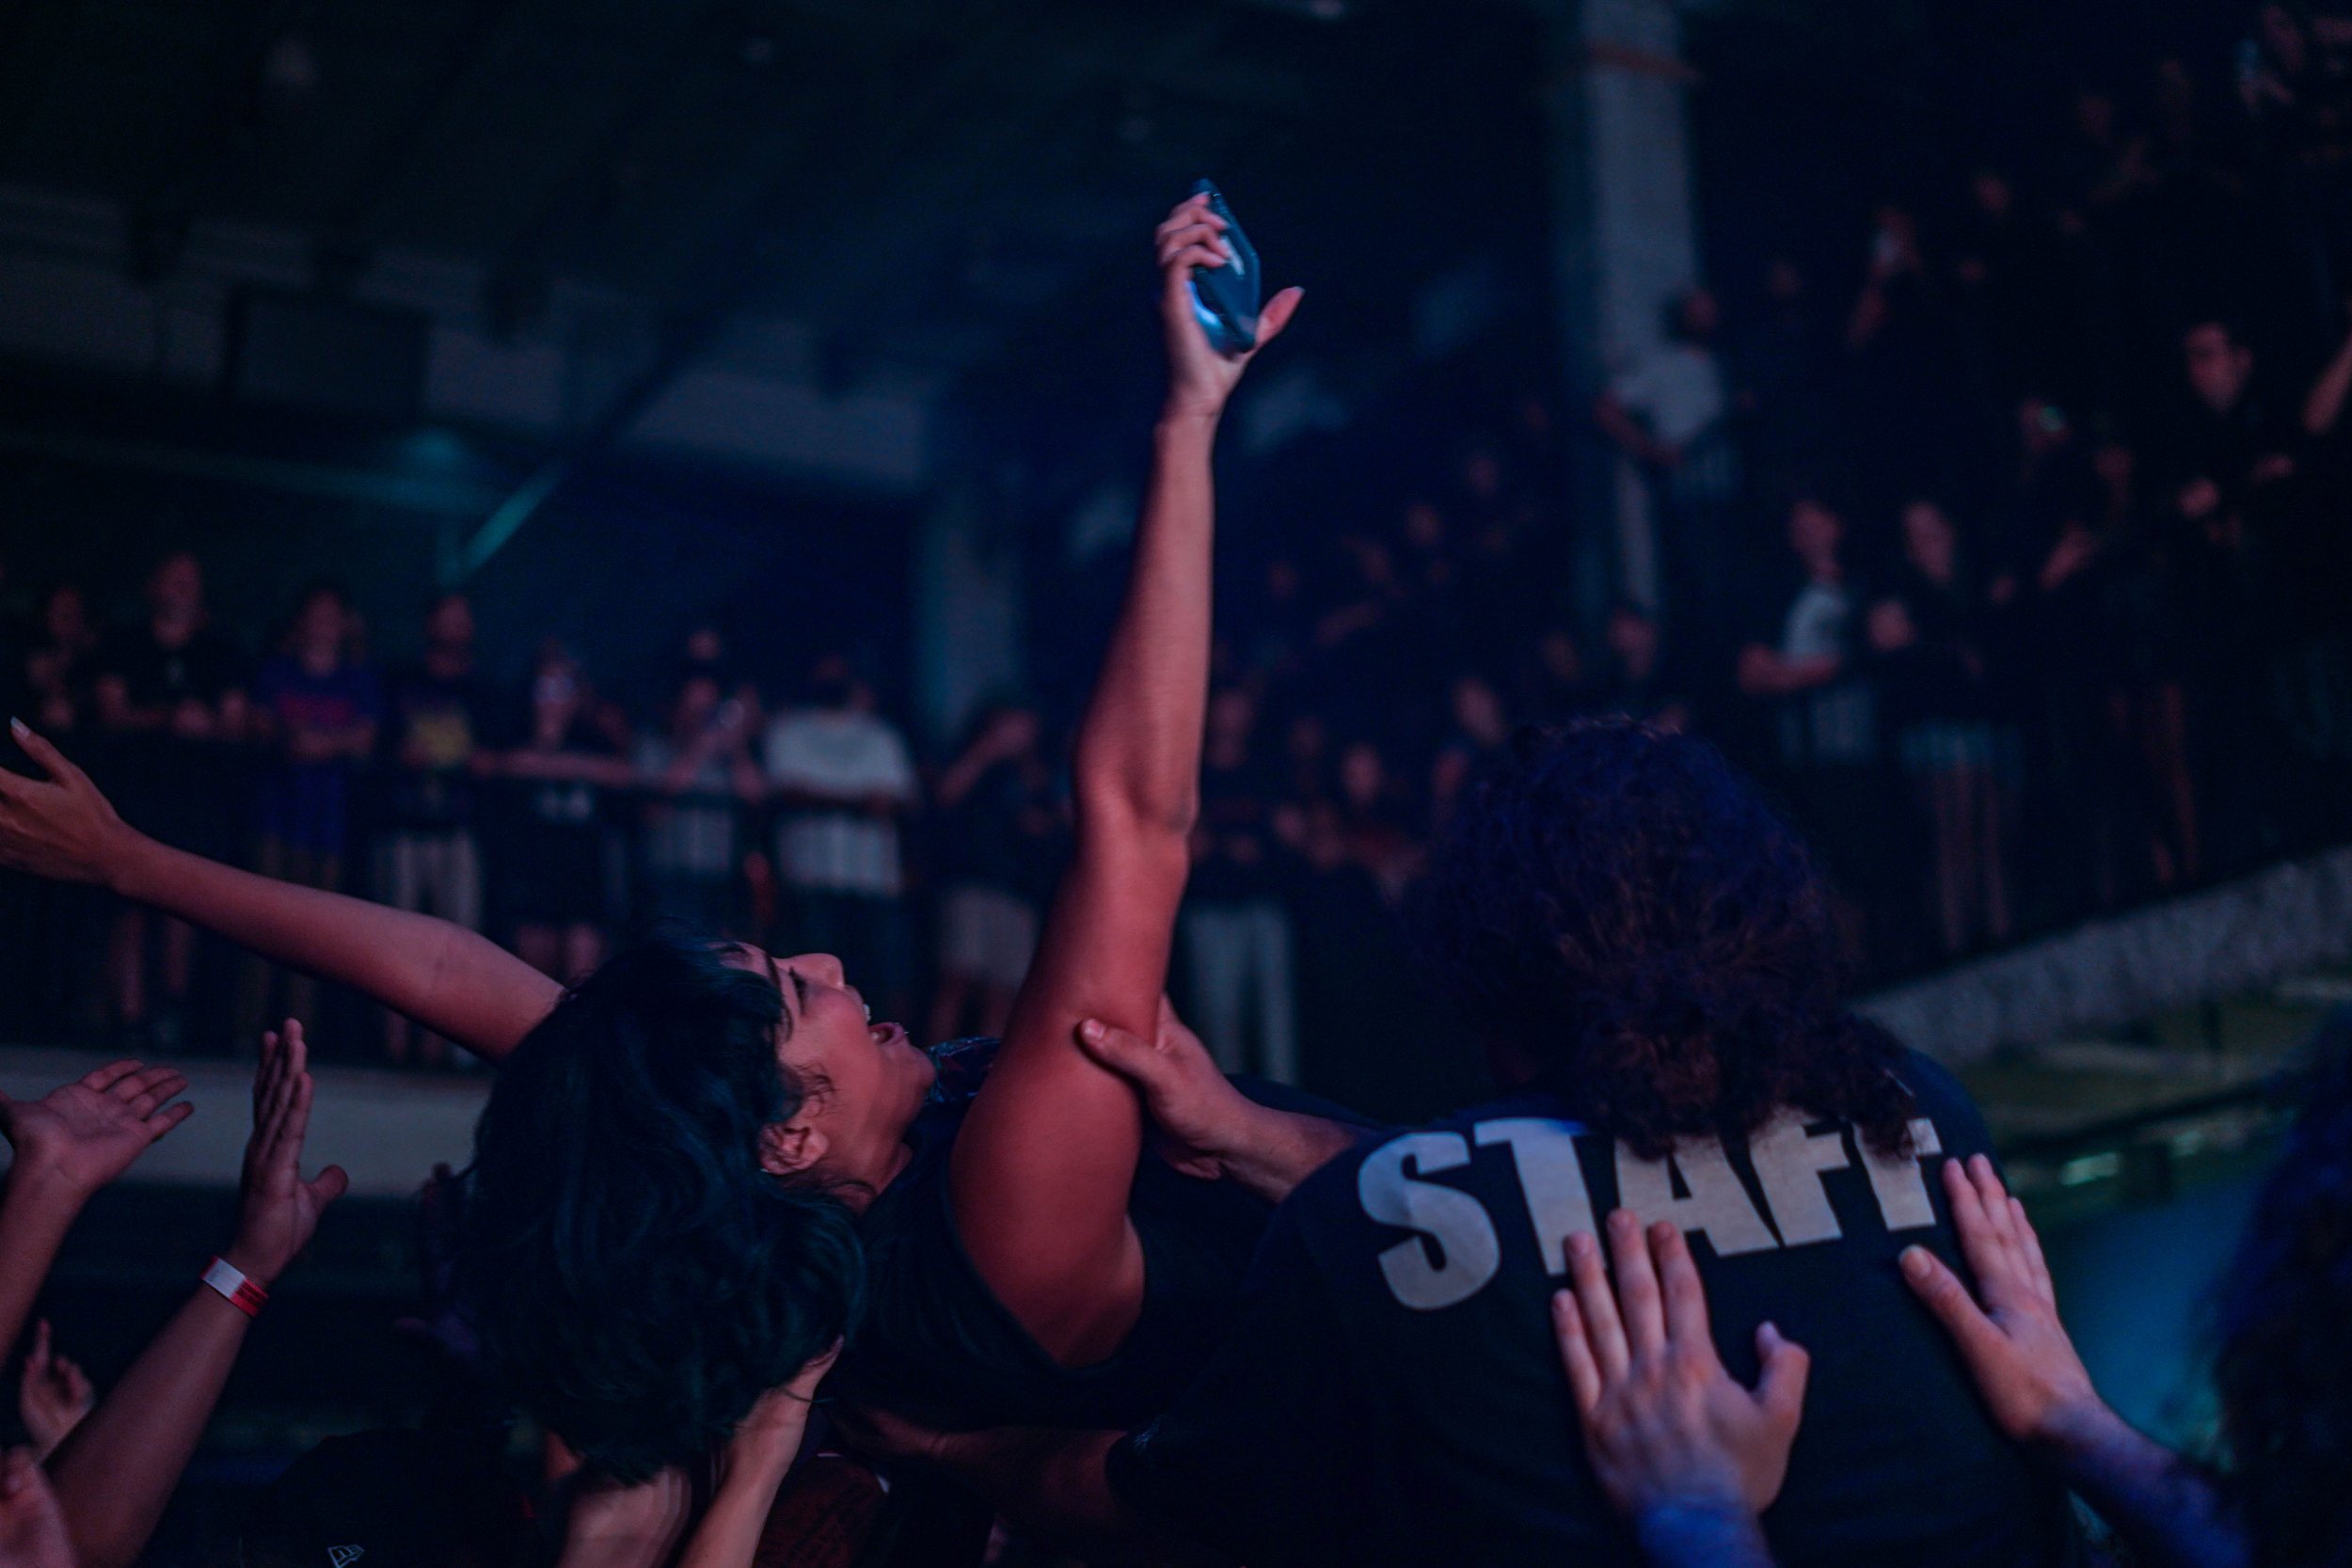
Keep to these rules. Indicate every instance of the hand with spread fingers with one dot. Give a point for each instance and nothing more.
(54, 1396)
(278, 1211)
(1672, 1437)
(84, 1134)
(2016, 1348)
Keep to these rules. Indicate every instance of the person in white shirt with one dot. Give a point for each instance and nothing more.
(1666, 411)
(843, 780)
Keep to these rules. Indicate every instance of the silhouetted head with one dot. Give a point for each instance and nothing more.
(1627, 925)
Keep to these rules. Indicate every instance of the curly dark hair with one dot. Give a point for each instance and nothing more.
(1622, 910)
(2284, 1370)
(638, 1279)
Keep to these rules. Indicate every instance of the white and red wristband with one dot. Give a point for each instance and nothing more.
(243, 1295)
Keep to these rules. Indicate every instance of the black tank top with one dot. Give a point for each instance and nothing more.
(937, 1346)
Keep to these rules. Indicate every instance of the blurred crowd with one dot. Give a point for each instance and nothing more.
(2010, 559)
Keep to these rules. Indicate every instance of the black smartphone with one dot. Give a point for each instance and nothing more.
(1225, 298)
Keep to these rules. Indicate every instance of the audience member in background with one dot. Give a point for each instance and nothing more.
(1558, 686)
(1811, 667)
(844, 783)
(317, 710)
(998, 830)
(1667, 412)
(53, 1394)
(1237, 931)
(699, 776)
(1637, 683)
(59, 670)
(171, 698)
(117, 1469)
(2156, 656)
(556, 876)
(1929, 633)
(54, 948)
(1481, 730)
(437, 717)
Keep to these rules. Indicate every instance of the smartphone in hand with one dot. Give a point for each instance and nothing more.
(1225, 298)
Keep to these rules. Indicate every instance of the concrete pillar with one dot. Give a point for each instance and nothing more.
(1625, 241)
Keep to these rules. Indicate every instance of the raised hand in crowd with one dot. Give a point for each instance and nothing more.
(116, 1470)
(2039, 1393)
(1200, 378)
(53, 1396)
(1205, 1127)
(453, 982)
(751, 1468)
(32, 1531)
(69, 1143)
(1686, 1453)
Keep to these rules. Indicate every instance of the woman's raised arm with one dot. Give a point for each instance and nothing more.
(1042, 1167)
(444, 976)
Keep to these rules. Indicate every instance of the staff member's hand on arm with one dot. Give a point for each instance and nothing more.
(1206, 1126)
(1690, 1456)
(2039, 1393)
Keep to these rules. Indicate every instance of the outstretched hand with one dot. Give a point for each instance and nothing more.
(2016, 1349)
(59, 827)
(53, 1397)
(278, 1211)
(85, 1134)
(1200, 377)
(1665, 1425)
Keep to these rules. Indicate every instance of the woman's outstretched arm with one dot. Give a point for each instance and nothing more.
(1042, 1167)
(447, 978)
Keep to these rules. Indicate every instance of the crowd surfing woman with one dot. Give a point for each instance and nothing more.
(703, 1163)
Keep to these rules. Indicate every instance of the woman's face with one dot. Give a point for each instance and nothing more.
(865, 1080)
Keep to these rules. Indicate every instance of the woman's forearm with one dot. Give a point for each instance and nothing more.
(36, 1211)
(453, 981)
(1137, 759)
(728, 1535)
(116, 1470)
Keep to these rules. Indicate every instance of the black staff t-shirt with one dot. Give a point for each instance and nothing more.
(1391, 1394)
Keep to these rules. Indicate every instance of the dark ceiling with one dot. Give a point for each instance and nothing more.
(924, 181)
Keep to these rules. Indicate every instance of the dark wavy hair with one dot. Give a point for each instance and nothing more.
(637, 1279)
(2284, 1370)
(1618, 907)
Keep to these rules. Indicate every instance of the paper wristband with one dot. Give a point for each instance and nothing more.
(243, 1293)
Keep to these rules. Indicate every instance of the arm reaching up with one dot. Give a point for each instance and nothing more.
(445, 977)
(751, 1468)
(69, 1143)
(2037, 1392)
(1043, 1165)
(116, 1470)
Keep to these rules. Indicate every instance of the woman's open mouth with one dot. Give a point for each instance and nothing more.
(886, 1035)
